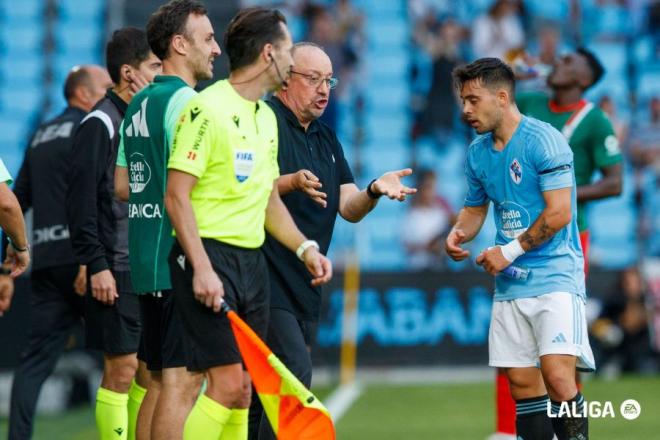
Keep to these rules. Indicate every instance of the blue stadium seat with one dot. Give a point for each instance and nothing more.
(18, 38)
(21, 101)
(388, 33)
(550, 10)
(88, 9)
(81, 38)
(613, 55)
(11, 10)
(649, 84)
(13, 132)
(26, 70)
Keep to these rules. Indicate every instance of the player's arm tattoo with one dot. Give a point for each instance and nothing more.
(539, 233)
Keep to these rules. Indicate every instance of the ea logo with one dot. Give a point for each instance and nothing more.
(630, 409)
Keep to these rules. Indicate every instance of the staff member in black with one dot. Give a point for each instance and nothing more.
(58, 283)
(99, 234)
(316, 183)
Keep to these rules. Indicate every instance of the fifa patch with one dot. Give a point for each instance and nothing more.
(243, 164)
(515, 171)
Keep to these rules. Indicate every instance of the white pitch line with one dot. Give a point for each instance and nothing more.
(342, 398)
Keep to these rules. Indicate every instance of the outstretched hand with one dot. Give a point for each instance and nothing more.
(389, 184)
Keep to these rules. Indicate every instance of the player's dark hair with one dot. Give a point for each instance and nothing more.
(249, 31)
(128, 45)
(491, 72)
(597, 69)
(78, 76)
(170, 20)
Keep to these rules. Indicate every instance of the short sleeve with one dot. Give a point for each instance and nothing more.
(605, 144)
(121, 155)
(476, 194)
(175, 106)
(194, 139)
(5, 177)
(553, 161)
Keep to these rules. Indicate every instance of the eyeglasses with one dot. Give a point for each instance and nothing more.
(315, 80)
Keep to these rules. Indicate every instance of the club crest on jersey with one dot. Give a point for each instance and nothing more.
(515, 171)
(243, 164)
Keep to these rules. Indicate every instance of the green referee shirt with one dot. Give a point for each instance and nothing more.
(593, 142)
(5, 177)
(146, 140)
(230, 145)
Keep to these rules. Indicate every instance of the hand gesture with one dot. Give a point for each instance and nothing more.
(318, 265)
(389, 184)
(6, 293)
(137, 82)
(492, 260)
(17, 260)
(104, 288)
(305, 181)
(453, 245)
(208, 288)
(80, 283)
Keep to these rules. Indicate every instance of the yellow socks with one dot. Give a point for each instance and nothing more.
(111, 415)
(236, 427)
(135, 397)
(206, 420)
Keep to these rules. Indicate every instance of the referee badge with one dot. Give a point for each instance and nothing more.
(243, 164)
(515, 171)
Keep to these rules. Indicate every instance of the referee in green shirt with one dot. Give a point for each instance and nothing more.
(221, 195)
(181, 35)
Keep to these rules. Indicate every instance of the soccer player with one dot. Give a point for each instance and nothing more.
(221, 195)
(13, 225)
(592, 139)
(58, 282)
(181, 35)
(99, 235)
(316, 184)
(538, 330)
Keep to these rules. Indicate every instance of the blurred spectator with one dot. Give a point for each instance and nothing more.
(621, 333)
(325, 30)
(620, 126)
(644, 154)
(427, 224)
(442, 43)
(534, 66)
(499, 31)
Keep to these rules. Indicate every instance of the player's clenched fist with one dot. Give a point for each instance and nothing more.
(208, 288)
(493, 260)
(453, 245)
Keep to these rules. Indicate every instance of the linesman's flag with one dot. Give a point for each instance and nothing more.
(292, 410)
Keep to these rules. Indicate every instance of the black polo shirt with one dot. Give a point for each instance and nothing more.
(319, 151)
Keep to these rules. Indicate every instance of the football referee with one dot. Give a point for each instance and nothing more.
(221, 194)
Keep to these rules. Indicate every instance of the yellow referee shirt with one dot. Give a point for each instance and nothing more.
(230, 145)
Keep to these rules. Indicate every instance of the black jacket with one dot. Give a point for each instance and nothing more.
(98, 222)
(41, 185)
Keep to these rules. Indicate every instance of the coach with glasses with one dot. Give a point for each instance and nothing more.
(315, 183)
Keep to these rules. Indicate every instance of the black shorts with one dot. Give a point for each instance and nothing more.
(113, 329)
(208, 339)
(161, 344)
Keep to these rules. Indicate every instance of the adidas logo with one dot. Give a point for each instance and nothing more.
(559, 338)
(181, 259)
(119, 431)
(138, 126)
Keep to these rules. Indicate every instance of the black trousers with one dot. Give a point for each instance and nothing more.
(290, 340)
(55, 311)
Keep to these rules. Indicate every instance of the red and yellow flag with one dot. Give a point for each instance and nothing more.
(292, 410)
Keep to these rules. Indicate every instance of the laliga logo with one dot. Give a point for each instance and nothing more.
(630, 409)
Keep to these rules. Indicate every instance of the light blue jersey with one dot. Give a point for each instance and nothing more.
(536, 159)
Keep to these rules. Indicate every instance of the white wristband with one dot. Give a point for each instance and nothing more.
(304, 246)
(512, 250)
